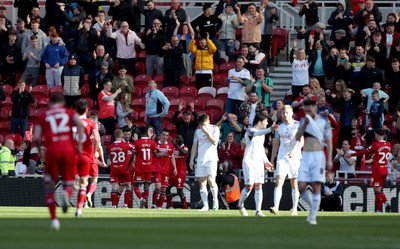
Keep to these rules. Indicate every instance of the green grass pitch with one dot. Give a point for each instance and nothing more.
(135, 228)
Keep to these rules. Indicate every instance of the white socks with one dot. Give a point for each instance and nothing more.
(277, 196)
(306, 195)
(204, 196)
(295, 198)
(243, 197)
(214, 191)
(258, 197)
(316, 200)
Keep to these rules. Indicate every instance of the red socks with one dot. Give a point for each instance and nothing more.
(161, 200)
(128, 198)
(51, 204)
(146, 193)
(378, 202)
(184, 203)
(156, 194)
(114, 198)
(92, 187)
(81, 197)
(137, 192)
(69, 190)
(384, 199)
(169, 201)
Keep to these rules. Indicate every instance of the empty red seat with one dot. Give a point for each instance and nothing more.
(35, 114)
(7, 103)
(188, 91)
(139, 105)
(184, 80)
(59, 89)
(280, 36)
(206, 93)
(215, 106)
(7, 89)
(137, 92)
(141, 57)
(3, 115)
(159, 79)
(17, 138)
(85, 91)
(5, 127)
(199, 104)
(140, 67)
(40, 91)
(222, 93)
(35, 103)
(174, 104)
(170, 92)
(219, 80)
(224, 68)
(142, 80)
(43, 102)
(141, 116)
(106, 139)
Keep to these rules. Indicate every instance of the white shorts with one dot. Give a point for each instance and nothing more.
(253, 174)
(286, 166)
(205, 170)
(312, 167)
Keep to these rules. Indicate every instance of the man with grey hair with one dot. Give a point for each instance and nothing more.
(157, 106)
(7, 160)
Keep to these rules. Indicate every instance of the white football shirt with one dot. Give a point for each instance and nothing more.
(207, 153)
(254, 154)
(287, 138)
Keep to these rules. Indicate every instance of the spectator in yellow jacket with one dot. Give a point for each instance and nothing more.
(204, 63)
(7, 160)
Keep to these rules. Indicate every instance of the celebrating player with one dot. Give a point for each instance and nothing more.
(145, 149)
(120, 157)
(205, 149)
(165, 157)
(317, 132)
(381, 151)
(90, 142)
(254, 161)
(56, 127)
(180, 154)
(289, 156)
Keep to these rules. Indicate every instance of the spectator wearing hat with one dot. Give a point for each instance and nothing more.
(123, 82)
(340, 41)
(11, 58)
(310, 11)
(311, 37)
(187, 125)
(341, 18)
(72, 80)
(54, 58)
(102, 76)
(33, 57)
(21, 98)
(154, 40)
(173, 62)
(368, 8)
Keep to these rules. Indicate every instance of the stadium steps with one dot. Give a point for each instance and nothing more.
(281, 76)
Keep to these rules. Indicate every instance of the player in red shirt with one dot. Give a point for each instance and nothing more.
(381, 151)
(144, 150)
(90, 142)
(180, 153)
(165, 157)
(55, 126)
(120, 154)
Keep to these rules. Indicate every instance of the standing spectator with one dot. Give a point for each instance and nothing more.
(229, 123)
(258, 59)
(367, 95)
(35, 15)
(270, 16)
(317, 65)
(21, 98)
(340, 40)
(262, 86)
(3, 14)
(230, 150)
(311, 37)
(330, 68)
(84, 43)
(25, 7)
(11, 57)
(378, 50)
(126, 40)
(41, 36)
(364, 33)
(322, 108)
(52, 13)
(237, 78)
(342, 66)
(370, 8)
(300, 70)
(71, 22)
(204, 63)
(188, 125)
(3, 29)
(331, 199)
(72, 80)
(251, 107)
(21, 31)
(244, 53)
(157, 106)
(123, 110)
(346, 164)
(222, 4)
(393, 80)
(340, 18)
(369, 74)
(227, 32)
(310, 10)
(207, 25)
(122, 10)
(170, 17)
(107, 107)
(355, 65)
(173, 62)
(154, 41)
(123, 82)
(54, 57)
(7, 160)
(391, 38)
(96, 63)
(150, 14)
(100, 20)
(184, 33)
(251, 33)
(102, 76)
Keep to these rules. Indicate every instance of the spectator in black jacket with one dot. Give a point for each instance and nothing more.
(393, 80)
(25, 7)
(2, 96)
(172, 62)
(154, 40)
(370, 8)
(208, 24)
(221, 5)
(122, 11)
(103, 76)
(11, 57)
(35, 15)
(71, 23)
(378, 50)
(340, 18)
(186, 127)
(85, 39)
(340, 40)
(136, 6)
(331, 199)
(21, 98)
(310, 10)
(369, 74)
(317, 66)
(150, 14)
(173, 13)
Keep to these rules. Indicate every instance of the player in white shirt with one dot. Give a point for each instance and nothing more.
(205, 149)
(317, 134)
(254, 161)
(288, 161)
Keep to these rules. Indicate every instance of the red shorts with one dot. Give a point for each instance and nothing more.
(84, 165)
(120, 177)
(161, 178)
(61, 162)
(142, 177)
(94, 169)
(179, 181)
(378, 180)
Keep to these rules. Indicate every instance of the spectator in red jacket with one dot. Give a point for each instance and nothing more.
(230, 151)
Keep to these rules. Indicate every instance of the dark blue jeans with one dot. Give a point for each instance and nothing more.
(232, 105)
(156, 123)
(21, 123)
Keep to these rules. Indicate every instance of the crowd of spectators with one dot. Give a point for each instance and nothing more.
(353, 74)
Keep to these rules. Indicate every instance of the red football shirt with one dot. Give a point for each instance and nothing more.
(144, 148)
(180, 160)
(119, 154)
(57, 124)
(380, 151)
(88, 139)
(164, 162)
(107, 109)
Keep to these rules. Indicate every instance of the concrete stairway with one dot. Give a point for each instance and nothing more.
(281, 76)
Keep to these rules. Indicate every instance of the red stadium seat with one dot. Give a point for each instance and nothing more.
(174, 104)
(7, 103)
(216, 106)
(188, 91)
(184, 80)
(280, 36)
(172, 130)
(224, 68)
(34, 104)
(7, 89)
(106, 140)
(170, 92)
(40, 91)
(43, 102)
(206, 93)
(140, 67)
(59, 89)
(139, 104)
(199, 104)
(135, 115)
(90, 103)
(216, 68)
(85, 91)
(34, 115)
(219, 80)
(168, 117)
(17, 138)
(137, 92)
(4, 115)
(142, 80)
(141, 57)
(1, 138)
(159, 79)
(222, 94)
(141, 116)
(5, 127)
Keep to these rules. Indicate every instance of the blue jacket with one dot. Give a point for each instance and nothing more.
(156, 103)
(53, 54)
